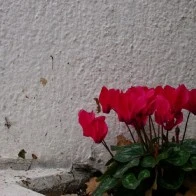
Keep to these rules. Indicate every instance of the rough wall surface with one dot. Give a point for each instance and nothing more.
(55, 55)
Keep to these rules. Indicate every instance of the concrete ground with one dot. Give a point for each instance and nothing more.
(19, 182)
(17, 179)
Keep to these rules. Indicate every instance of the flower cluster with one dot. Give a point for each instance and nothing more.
(137, 105)
(154, 160)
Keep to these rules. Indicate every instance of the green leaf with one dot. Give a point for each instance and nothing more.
(116, 148)
(143, 174)
(172, 178)
(105, 185)
(190, 146)
(129, 153)
(187, 167)
(110, 171)
(130, 182)
(191, 165)
(119, 173)
(109, 162)
(178, 156)
(148, 161)
(168, 145)
(193, 161)
(162, 156)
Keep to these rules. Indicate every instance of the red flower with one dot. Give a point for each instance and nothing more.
(191, 104)
(169, 103)
(135, 105)
(108, 99)
(164, 116)
(122, 108)
(177, 98)
(94, 127)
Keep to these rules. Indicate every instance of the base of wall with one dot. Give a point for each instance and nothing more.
(39, 181)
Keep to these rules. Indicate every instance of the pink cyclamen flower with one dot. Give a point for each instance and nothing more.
(164, 115)
(135, 105)
(177, 97)
(108, 99)
(94, 127)
(169, 104)
(191, 104)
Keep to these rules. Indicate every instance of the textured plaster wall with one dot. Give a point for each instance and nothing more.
(55, 55)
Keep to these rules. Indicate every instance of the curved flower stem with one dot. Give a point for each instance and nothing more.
(147, 140)
(107, 148)
(158, 133)
(150, 127)
(177, 131)
(167, 136)
(141, 139)
(185, 127)
(161, 135)
(145, 136)
(155, 135)
(130, 132)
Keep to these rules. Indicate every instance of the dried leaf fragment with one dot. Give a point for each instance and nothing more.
(25, 182)
(98, 109)
(148, 192)
(34, 156)
(122, 141)
(191, 184)
(22, 153)
(190, 193)
(7, 123)
(92, 184)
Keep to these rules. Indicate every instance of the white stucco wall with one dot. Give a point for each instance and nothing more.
(117, 43)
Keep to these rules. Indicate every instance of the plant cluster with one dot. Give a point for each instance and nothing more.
(158, 156)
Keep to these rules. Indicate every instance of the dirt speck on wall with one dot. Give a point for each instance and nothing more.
(43, 81)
